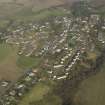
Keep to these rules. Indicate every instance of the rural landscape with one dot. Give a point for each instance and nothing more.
(52, 52)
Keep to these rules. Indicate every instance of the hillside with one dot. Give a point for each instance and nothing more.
(8, 7)
(98, 2)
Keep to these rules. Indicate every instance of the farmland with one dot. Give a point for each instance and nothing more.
(8, 67)
(36, 94)
(91, 91)
(39, 95)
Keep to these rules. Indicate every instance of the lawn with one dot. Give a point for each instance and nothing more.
(92, 91)
(36, 94)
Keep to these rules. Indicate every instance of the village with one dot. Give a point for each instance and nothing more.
(62, 41)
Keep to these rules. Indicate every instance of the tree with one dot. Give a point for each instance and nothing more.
(80, 9)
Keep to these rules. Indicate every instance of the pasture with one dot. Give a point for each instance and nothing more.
(92, 90)
(8, 67)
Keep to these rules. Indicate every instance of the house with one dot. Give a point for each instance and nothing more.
(63, 77)
(58, 66)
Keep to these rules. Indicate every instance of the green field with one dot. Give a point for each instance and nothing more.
(35, 94)
(92, 91)
(28, 62)
(49, 100)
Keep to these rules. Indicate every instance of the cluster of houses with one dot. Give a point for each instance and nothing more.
(72, 60)
(18, 89)
(82, 32)
(29, 37)
(41, 39)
